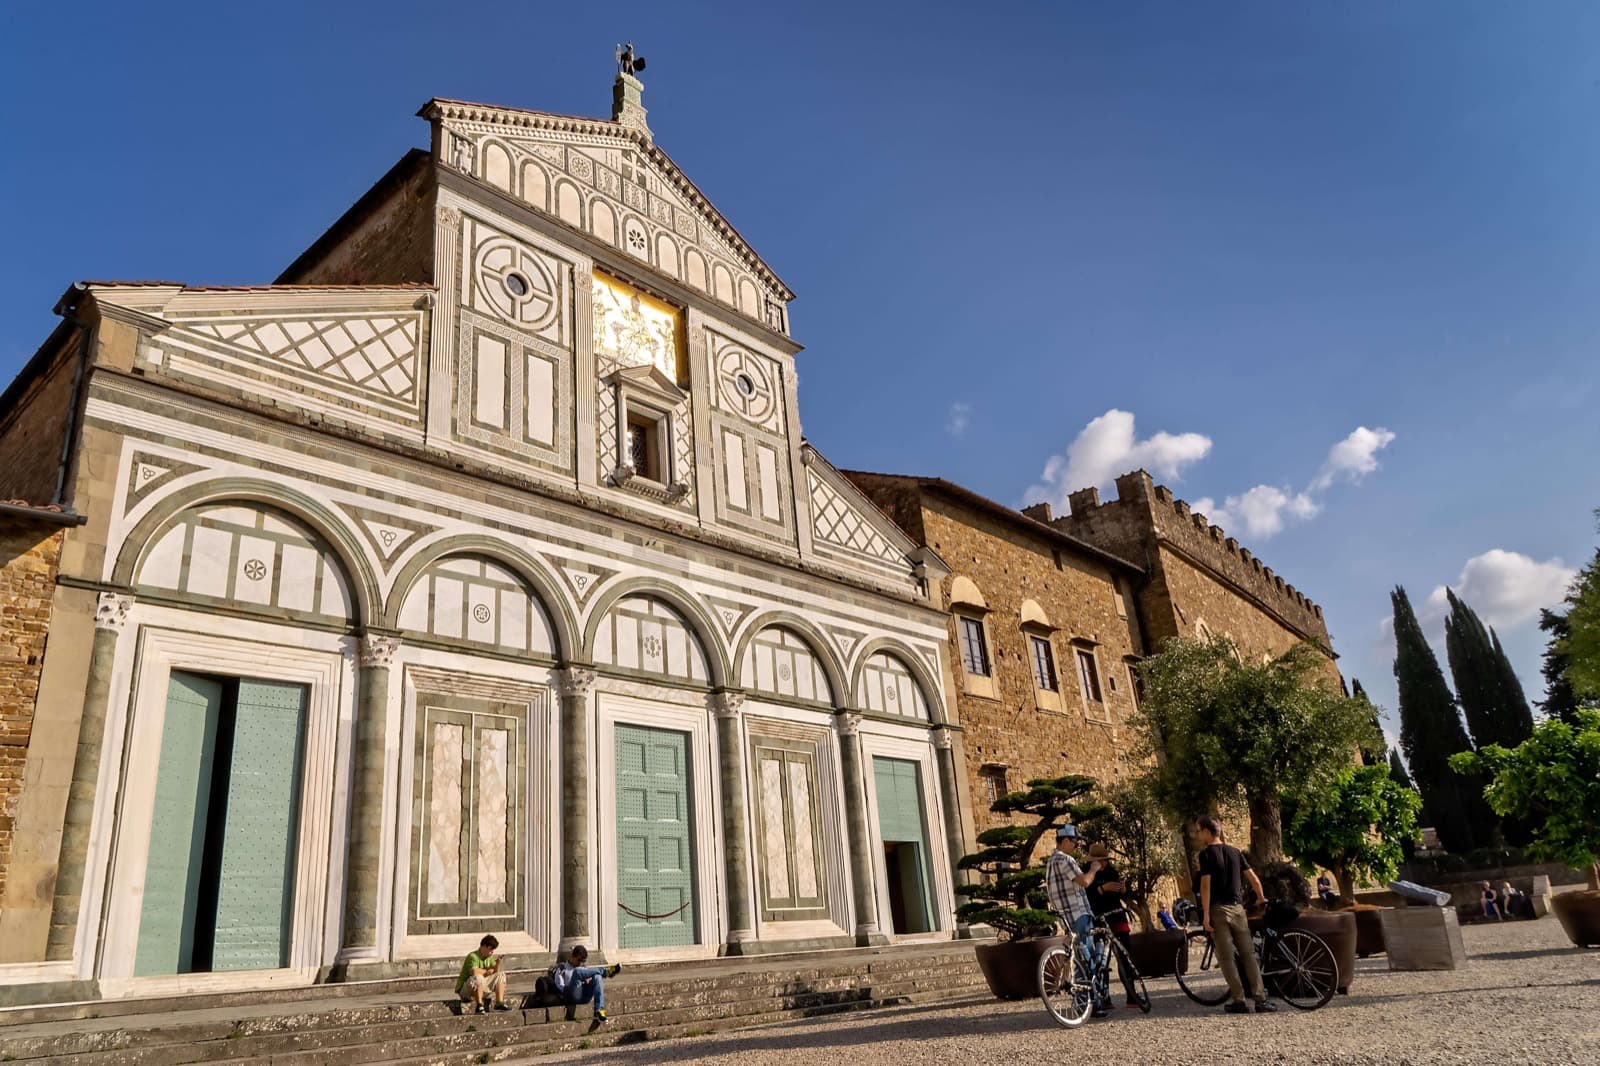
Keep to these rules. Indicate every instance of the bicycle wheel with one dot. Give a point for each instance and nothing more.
(1125, 967)
(1199, 974)
(1299, 968)
(1065, 985)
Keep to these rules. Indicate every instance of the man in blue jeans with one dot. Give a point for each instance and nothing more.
(579, 983)
(1065, 883)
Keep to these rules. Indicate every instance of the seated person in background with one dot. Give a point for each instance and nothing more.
(1330, 898)
(1512, 901)
(578, 983)
(482, 978)
(1491, 903)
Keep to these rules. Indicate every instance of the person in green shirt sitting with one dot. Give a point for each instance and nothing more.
(482, 977)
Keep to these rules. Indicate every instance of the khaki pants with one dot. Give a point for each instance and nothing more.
(1230, 936)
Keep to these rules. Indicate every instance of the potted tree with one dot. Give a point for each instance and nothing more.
(1356, 826)
(1010, 897)
(1552, 782)
(1143, 846)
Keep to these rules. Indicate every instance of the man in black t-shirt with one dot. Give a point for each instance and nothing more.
(1223, 871)
(1107, 894)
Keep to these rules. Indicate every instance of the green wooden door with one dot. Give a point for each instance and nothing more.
(655, 847)
(167, 916)
(901, 822)
(255, 891)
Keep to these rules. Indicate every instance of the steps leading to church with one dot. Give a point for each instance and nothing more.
(416, 1023)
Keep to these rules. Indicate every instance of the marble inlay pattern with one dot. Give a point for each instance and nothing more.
(493, 815)
(444, 809)
(773, 836)
(805, 868)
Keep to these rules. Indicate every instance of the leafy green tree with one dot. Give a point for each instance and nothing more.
(1487, 688)
(1431, 732)
(1559, 702)
(1011, 897)
(1552, 782)
(1356, 826)
(1582, 643)
(1136, 828)
(1225, 729)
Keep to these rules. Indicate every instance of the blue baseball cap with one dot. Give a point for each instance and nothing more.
(1067, 831)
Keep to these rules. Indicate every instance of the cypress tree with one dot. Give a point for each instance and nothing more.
(1559, 701)
(1490, 695)
(1431, 732)
(1369, 756)
(1397, 770)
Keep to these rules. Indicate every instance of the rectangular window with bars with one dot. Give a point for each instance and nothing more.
(974, 650)
(1089, 676)
(1044, 664)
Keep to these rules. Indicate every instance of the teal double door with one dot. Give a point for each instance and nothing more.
(655, 839)
(902, 828)
(219, 876)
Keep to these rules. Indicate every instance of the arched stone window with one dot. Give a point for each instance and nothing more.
(644, 634)
(250, 557)
(475, 599)
(889, 687)
(781, 663)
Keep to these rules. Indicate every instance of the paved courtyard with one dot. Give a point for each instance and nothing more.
(1527, 996)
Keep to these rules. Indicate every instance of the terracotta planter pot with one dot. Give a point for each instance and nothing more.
(1338, 929)
(1154, 952)
(1012, 968)
(1369, 932)
(1579, 915)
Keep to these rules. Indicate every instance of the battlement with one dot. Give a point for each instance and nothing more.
(1145, 513)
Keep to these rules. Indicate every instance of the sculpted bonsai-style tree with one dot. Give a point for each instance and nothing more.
(1356, 826)
(1141, 838)
(1011, 897)
(1552, 782)
(1224, 730)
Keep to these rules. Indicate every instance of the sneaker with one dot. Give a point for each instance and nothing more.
(1264, 1006)
(1238, 1006)
(502, 1005)
(599, 1015)
(1133, 1004)
(613, 969)
(479, 1008)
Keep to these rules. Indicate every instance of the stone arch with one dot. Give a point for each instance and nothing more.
(1033, 615)
(694, 616)
(923, 678)
(694, 270)
(964, 592)
(832, 669)
(602, 221)
(495, 160)
(667, 254)
(317, 517)
(544, 587)
(749, 298)
(568, 204)
(722, 283)
(535, 185)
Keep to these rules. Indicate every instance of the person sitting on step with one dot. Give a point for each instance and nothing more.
(482, 978)
(578, 983)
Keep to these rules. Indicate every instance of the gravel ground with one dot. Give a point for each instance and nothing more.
(1527, 996)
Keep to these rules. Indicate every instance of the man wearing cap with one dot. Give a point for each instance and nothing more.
(1107, 896)
(1065, 883)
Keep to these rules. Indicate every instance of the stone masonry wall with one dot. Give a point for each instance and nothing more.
(32, 430)
(28, 557)
(391, 244)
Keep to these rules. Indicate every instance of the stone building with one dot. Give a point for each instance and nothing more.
(471, 576)
(1042, 639)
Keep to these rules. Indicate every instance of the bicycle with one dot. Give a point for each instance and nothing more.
(1074, 975)
(1296, 966)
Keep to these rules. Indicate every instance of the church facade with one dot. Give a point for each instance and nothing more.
(472, 577)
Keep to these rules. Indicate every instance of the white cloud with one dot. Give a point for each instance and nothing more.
(1506, 588)
(959, 418)
(1108, 446)
(1261, 512)
(1353, 458)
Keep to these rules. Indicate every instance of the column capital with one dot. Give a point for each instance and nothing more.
(848, 723)
(725, 703)
(574, 680)
(377, 649)
(943, 737)
(111, 610)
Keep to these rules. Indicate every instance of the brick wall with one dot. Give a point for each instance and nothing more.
(31, 429)
(29, 553)
(386, 238)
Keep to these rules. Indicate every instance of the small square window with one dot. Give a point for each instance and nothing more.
(645, 446)
(1089, 676)
(974, 649)
(993, 779)
(1135, 685)
(1044, 664)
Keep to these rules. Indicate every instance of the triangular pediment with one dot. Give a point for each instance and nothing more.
(650, 381)
(847, 524)
(611, 181)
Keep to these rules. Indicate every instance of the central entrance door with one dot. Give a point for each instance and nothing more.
(905, 843)
(219, 877)
(655, 846)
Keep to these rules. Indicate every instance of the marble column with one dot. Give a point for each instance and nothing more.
(110, 616)
(726, 706)
(949, 796)
(365, 848)
(852, 767)
(574, 684)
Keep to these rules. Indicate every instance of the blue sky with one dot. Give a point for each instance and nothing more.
(1249, 229)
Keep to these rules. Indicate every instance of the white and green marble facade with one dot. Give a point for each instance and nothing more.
(416, 503)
